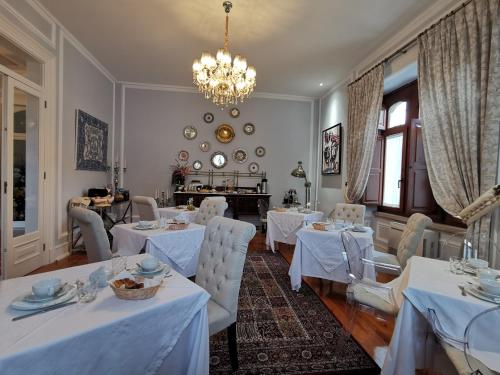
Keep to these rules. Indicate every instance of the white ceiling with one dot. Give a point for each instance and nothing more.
(293, 44)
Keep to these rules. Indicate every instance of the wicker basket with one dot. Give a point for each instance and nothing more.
(135, 294)
(319, 226)
(279, 209)
(177, 226)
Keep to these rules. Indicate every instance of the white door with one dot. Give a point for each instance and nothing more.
(22, 179)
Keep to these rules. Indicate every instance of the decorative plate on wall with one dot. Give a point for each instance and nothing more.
(197, 165)
(249, 128)
(224, 133)
(183, 155)
(190, 132)
(240, 155)
(205, 146)
(234, 112)
(260, 151)
(253, 167)
(208, 117)
(218, 159)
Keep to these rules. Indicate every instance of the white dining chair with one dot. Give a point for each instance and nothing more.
(210, 208)
(147, 208)
(94, 234)
(217, 198)
(353, 213)
(407, 247)
(220, 269)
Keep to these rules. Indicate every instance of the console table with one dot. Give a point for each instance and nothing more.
(240, 204)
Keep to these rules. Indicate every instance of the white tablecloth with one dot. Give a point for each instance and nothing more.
(428, 283)
(109, 335)
(319, 254)
(282, 226)
(179, 248)
(172, 212)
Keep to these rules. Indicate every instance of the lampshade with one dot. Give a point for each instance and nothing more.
(299, 171)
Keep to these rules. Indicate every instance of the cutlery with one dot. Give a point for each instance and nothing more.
(462, 288)
(55, 307)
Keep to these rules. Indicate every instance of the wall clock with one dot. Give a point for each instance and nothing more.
(197, 165)
(224, 133)
(218, 159)
(249, 128)
(234, 112)
(260, 151)
(190, 132)
(253, 167)
(208, 117)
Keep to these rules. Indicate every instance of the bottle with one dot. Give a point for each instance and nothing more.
(263, 187)
(258, 189)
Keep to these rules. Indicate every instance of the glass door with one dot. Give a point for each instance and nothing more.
(22, 182)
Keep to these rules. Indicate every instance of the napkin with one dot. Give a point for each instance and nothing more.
(99, 277)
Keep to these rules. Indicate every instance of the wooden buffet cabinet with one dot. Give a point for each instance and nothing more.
(239, 204)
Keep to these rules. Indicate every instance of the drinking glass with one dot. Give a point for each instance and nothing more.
(87, 292)
(118, 264)
(456, 265)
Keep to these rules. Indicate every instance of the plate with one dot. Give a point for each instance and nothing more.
(260, 151)
(21, 304)
(146, 227)
(224, 133)
(183, 155)
(197, 165)
(249, 128)
(34, 299)
(162, 267)
(208, 117)
(190, 132)
(253, 167)
(205, 146)
(240, 155)
(234, 112)
(476, 291)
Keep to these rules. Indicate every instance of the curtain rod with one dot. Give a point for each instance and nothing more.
(412, 42)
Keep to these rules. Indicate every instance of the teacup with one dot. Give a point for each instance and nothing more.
(359, 227)
(46, 287)
(149, 263)
(488, 274)
(143, 223)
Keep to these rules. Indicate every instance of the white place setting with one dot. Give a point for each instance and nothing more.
(174, 243)
(166, 311)
(283, 224)
(319, 252)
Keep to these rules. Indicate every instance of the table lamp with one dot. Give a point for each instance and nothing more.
(301, 173)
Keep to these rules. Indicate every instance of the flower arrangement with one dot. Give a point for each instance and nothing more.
(179, 172)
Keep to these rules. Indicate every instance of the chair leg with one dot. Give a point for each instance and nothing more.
(233, 346)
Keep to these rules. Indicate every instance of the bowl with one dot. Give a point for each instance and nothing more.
(491, 286)
(149, 263)
(46, 287)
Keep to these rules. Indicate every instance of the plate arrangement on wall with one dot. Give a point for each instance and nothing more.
(183, 155)
(253, 167)
(240, 155)
(190, 132)
(218, 159)
(234, 112)
(205, 146)
(208, 117)
(249, 128)
(260, 151)
(197, 165)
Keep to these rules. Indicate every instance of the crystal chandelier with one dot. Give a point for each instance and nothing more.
(220, 80)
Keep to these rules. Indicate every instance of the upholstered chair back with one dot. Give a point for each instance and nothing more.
(411, 237)
(222, 256)
(354, 213)
(217, 198)
(210, 208)
(93, 232)
(147, 207)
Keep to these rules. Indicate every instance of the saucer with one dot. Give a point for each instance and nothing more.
(160, 268)
(146, 227)
(360, 229)
(32, 298)
(478, 292)
(20, 303)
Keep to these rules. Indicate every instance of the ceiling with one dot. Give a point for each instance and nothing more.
(294, 44)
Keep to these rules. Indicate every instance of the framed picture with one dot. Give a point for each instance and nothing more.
(331, 147)
(91, 143)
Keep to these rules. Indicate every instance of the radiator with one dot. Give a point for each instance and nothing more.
(428, 247)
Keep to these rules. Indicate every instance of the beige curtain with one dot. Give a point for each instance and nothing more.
(459, 89)
(365, 102)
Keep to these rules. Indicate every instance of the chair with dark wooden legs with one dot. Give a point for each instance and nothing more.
(220, 269)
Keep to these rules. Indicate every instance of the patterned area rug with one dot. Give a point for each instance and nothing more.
(283, 332)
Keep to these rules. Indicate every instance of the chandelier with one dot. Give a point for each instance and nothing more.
(220, 80)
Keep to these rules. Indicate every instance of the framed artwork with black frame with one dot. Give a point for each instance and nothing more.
(331, 150)
(91, 142)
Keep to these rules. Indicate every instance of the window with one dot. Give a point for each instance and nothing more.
(393, 161)
(397, 114)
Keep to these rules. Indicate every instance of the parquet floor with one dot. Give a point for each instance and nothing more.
(372, 331)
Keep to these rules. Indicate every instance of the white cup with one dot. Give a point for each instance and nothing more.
(149, 263)
(143, 223)
(46, 287)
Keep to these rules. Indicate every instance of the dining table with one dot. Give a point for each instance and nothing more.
(166, 334)
(319, 253)
(429, 285)
(174, 212)
(180, 248)
(283, 224)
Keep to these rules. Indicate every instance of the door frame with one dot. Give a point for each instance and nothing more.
(49, 136)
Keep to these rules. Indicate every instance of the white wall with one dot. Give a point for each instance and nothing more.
(153, 124)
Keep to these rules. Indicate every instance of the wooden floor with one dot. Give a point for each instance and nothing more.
(372, 331)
